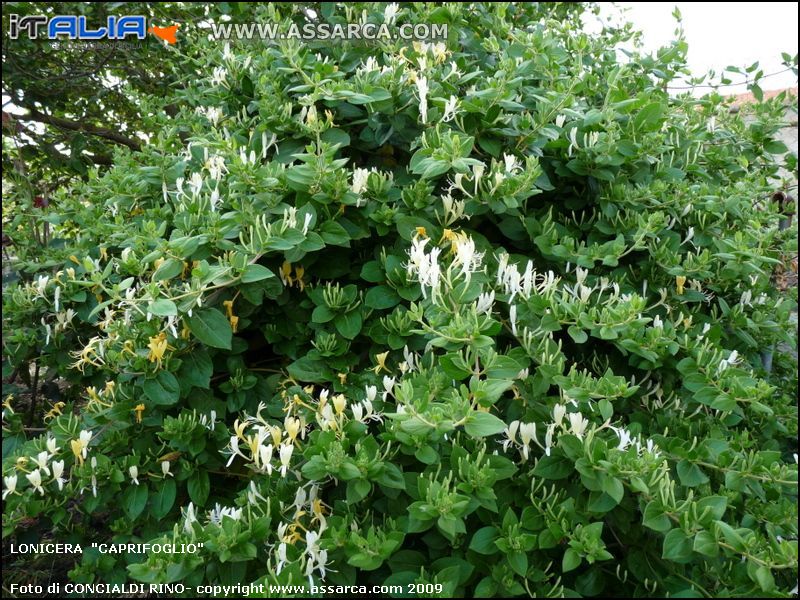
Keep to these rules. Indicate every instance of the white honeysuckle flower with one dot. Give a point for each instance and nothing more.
(165, 466)
(450, 109)
(35, 479)
(624, 437)
(578, 424)
(548, 439)
(485, 303)
(372, 392)
(307, 222)
(560, 119)
(285, 453)
(265, 457)
(196, 183)
(658, 323)
(253, 495)
(422, 91)
(58, 471)
(282, 560)
(511, 434)
(360, 177)
(52, 448)
(559, 410)
(425, 266)
(512, 315)
(388, 383)
(290, 217)
(190, 517)
(371, 64)
(467, 257)
(390, 12)
(214, 199)
(219, 76)
(133, 471)
(511, 163)
(41, 461)
(10, 483)
(226, 52)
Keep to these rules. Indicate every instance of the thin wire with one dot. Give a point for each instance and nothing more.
(711, 85)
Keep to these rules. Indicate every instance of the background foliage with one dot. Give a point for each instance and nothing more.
(490, 313)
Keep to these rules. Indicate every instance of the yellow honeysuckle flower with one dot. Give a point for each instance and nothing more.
(299, 271)
(157, 263)
(158, 346)
(103, 253)
(77, 450)
(276, 433)
(381, 359)
(234, 323)
(185, 332)
(286, 273)
(110, 389)
(339, 403)
(7, 403)
(139, 409)
(421, 232)
(680, 281)
(55, 411)
(342, 378)
(292, 426)
(74, 259)
(228, 304)
(239, 428)
(21, 463)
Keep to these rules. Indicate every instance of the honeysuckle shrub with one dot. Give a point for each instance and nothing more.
(491, 312)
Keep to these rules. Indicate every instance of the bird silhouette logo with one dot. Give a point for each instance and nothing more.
(168, 34)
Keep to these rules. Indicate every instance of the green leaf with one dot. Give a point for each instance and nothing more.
(554, 467)
(211, 327)
(256, 272)
(134, 499)
(381, 297)
(655, 517)
(172, 267)
(677, 547)
(482, 424)
(162, 498)
(483, 540)
(164, 390)
(163, 308)
(518, 561)
(705, 544)
(199, 487)
(196, 370)
(349, 324)
(571, 560)
(690, 474)
(577, 334)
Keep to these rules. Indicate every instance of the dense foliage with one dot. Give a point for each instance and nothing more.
(487, 312)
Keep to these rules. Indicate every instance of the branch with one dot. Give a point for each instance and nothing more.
(36, 115)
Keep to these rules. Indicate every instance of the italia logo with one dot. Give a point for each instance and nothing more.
(74, 27)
